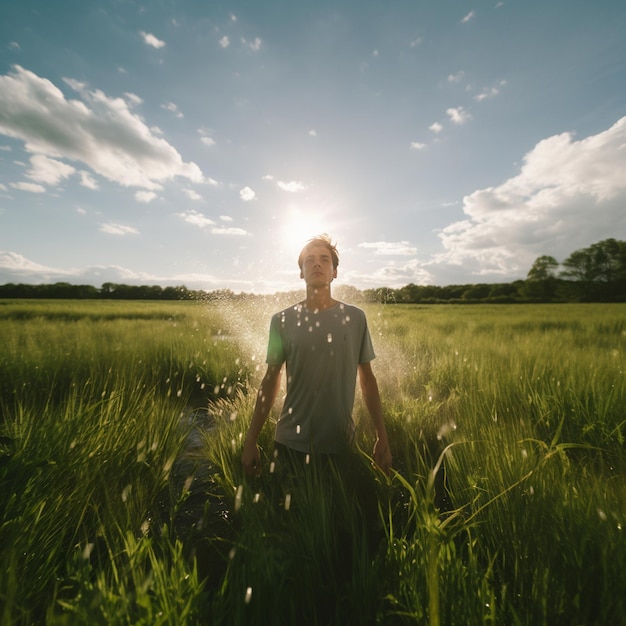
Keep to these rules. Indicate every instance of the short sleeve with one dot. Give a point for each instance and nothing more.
(367, 349)
(275, 348)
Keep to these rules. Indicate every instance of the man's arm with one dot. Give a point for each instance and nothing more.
(369, 388)
(251, 457)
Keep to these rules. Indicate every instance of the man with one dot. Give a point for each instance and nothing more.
(323, 344)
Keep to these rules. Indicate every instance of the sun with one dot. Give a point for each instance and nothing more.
(299, 227)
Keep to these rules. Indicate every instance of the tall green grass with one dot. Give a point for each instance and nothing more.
(507, 505)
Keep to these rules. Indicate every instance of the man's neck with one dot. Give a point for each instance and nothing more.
(319, 299)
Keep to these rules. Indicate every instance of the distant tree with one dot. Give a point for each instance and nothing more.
(150, 292)
(505, 290)
(383, 295)
(598, 272)
(348, 293)
(544, 268)
(408, 294)
(542, 281)
(476, 292)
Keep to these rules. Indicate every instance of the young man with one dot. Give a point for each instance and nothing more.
(323, 344)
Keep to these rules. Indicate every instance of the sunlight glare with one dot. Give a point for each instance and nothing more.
(300, 226)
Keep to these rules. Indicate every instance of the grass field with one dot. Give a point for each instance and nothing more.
(122, 499)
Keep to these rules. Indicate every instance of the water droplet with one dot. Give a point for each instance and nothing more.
(287, 501)
(329, 337)
(248, 595)
(238, 497)
(87, 551)
(298, 429)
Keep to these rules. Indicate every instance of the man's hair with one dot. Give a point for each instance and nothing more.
(321, 240)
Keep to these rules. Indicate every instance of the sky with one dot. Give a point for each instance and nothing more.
(203, 142)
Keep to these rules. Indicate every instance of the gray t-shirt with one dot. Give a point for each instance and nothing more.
(322, 351)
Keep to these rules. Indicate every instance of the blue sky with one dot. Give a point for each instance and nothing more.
(203, 142)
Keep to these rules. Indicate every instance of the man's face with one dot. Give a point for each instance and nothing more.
(317, 266)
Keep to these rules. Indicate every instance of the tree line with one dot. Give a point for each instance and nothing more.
(593, 274)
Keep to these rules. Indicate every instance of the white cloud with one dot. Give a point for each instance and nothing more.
(458, 115)
(98, 131)
(254, 45)
(312, 133)
(19, 265)
(145, 196)
(87, 180)
(207, 141)
(172, 108)
(32, 187)
(436, 127)
(224, 42)
(569, 194)
(389, 248)
(415, 42)
(238, 232)
(456, 78)
(132, 99)
(292, 186)
(192, 194)
(416, 145)
(468, 17)
(16, 268)
(111, 228)
(392, 274)
(489, 92)
(151, 40)
(247, 194)
(196, 218)
(48, 171)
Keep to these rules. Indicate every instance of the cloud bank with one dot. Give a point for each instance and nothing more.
(96, 130)
(565, 195)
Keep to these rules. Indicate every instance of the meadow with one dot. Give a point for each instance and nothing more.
(122, 499)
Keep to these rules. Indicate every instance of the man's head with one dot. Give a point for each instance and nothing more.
(320, 240)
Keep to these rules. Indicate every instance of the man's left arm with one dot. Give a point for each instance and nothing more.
(371, 395)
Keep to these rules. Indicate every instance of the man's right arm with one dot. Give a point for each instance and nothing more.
(250, 457)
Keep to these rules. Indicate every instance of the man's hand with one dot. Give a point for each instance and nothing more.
(382, 455)
(251, 458)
